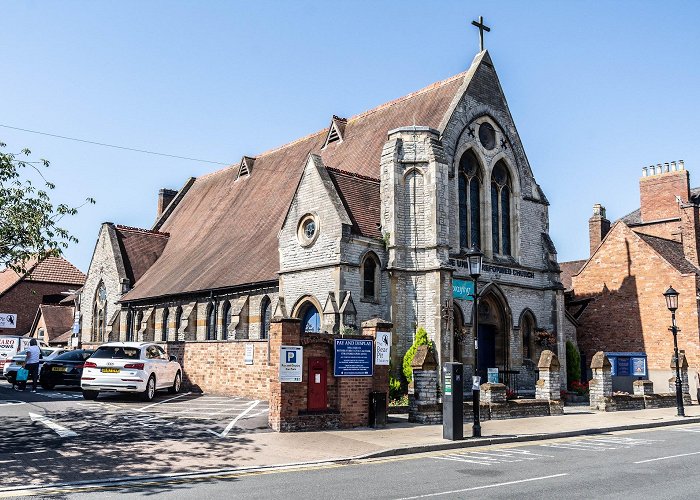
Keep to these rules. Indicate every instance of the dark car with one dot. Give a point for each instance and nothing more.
(65, 369)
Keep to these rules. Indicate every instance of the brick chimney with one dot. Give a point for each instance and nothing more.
(598, 226)
(662, 189)
(165, 196)
(690, 220)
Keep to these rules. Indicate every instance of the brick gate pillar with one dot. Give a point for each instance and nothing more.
(380, 380)
(600, 386)
(423, 406)
(286, 397)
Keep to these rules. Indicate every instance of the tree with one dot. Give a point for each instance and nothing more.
(28, 220)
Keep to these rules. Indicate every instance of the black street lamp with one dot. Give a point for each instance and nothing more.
(475, 258)
(672, 304)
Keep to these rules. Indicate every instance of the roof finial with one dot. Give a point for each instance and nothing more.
(482, 27)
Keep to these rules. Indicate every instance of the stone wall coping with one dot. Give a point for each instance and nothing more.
(424, 359)
(600, 361)
(548, 360)
(284, 320)
(378, 323)
(413, 128)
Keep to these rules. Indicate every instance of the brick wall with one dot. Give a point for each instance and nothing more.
(657, 194)
(24, 299)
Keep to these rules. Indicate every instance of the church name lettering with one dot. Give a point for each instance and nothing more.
(494, 269)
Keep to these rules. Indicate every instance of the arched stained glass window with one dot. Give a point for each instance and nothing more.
(226, 315)
(178, 320)
(211, 322)
(500, 209)
(469, 186)
(265, 315)
(99, 314)
(370, 277)
(164, 326)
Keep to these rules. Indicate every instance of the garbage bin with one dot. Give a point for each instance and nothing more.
(377, 409)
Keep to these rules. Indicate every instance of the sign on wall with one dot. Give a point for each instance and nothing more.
(462, 289)
(353, 358)
(627, 364)
(249, 350)
(382, 349)
(291, 363)
(492, 374)
(8, 320)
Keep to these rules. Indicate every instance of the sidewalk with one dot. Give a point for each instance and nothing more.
(401, 437)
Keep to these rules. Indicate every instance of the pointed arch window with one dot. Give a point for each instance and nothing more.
(500, 209)
(527, 328)
(226, 315)
(469, 201)
(310, 319)
(265, 316)
(99, 314)
(164, 327)
(370, 277)
(211, 322)
(178, 320)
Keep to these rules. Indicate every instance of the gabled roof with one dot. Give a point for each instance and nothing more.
(671, 251)
(568, 270)
(360, 195)
(140, 248)
(224, 233)
(58, 319)
(49, 270)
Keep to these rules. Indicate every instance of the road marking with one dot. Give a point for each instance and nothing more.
(164, 401)
(233, 422)
(610, 443)
(666, 458)
(59, 429)
(8, 402)
(475, 488)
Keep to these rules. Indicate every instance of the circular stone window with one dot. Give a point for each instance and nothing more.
(487, 135)
(308, 230)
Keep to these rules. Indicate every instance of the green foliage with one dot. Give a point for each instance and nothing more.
(396, 389)
(28, 220)
(421, 339)
(573, 364)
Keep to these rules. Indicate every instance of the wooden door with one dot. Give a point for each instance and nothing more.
(318, 373)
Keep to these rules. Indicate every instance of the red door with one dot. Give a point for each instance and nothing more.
(317, 399)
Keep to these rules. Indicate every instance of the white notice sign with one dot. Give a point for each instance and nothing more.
(249, 350)
(382, 353)
(291, 362)
(8, 320)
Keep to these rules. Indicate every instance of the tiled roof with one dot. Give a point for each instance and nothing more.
(140, 249)
(360, 196)
(671, 251)
(50, 270)
(569, 269)
(58, 319)
(224, 231)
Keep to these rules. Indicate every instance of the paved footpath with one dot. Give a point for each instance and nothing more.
(69, 441)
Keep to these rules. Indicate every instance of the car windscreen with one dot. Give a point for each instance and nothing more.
(47, 352)
(117, 352)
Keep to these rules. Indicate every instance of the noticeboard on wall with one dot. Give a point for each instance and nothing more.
(628, 364)
(353, 358)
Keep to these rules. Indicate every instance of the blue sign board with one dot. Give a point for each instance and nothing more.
(462, 289)
(628, 364)
(353, 358)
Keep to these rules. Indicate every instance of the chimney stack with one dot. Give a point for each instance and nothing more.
(165, 196)
(660, 189)
(598, 227)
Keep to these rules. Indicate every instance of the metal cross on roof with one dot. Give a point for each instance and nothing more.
(482, 27)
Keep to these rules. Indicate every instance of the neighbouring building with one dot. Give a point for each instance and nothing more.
(44, 282)
(370, 217)
(53, 323)
(616, 294)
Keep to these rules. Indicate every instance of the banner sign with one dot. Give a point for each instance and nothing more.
(8, 320)
(382, 349)
(291, 363)
(353, 358)
(248, 356)
(462, 289)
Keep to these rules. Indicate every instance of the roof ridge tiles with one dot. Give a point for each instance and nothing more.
(141, 230)
(352, 174)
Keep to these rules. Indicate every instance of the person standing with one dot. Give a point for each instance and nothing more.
(31, 363)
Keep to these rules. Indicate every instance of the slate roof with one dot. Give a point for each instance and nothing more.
(49, 270)
(58, 319)
(671, 251)
(140, 248)
(568, 270)
(223, 232)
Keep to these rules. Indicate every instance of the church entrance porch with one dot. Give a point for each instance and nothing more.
(493, 337)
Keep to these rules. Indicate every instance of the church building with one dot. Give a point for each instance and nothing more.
(372, 216)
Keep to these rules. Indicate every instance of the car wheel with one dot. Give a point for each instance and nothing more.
(48, 386)
(176, 384)
(90, 394)
(150, 391)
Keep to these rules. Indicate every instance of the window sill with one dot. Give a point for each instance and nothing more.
(369, 301)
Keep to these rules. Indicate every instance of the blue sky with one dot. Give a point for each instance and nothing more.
(597, 89)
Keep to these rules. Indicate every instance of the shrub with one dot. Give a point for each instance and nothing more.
(573, 364)
(421, 339)
(396, 390)
(580, 388)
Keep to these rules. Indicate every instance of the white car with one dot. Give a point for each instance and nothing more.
(141, 367)
(11, 367)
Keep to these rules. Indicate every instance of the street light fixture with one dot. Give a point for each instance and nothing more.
(672, 304)
(475, 259)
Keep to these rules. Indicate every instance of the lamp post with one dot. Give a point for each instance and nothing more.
(672, 304)
(475, 257)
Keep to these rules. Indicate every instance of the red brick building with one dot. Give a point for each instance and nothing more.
(616, 295)
(43, 283)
